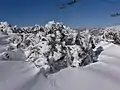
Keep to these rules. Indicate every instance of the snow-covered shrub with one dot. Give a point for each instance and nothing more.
(56, 46)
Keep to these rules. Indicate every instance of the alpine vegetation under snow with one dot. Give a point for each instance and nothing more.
(55, 46)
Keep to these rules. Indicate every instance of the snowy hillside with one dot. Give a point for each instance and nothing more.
(115, 27)
(55, 46)
(35, 54)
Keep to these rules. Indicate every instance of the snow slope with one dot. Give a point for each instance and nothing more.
(17, 72)
(103, 75)
(115, 27)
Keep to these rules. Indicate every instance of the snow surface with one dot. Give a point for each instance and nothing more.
(42, 58)
(103, 75)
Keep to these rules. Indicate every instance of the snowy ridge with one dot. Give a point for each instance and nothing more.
(115, 27)
(55, 46)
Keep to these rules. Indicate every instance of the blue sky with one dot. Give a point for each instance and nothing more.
(86, 13)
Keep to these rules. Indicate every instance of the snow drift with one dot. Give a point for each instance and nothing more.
(103, 75)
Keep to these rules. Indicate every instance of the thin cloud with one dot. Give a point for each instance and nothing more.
(110, 1)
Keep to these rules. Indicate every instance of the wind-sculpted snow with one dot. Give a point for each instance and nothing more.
(54, 46)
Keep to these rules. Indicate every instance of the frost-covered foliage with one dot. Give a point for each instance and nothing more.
(111, 35)
(56, 46)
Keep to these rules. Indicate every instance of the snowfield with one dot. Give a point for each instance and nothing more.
(56, 57)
